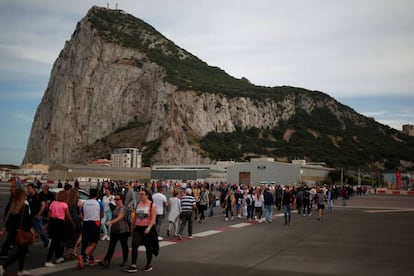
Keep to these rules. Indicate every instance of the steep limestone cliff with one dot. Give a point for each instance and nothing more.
(104, 94)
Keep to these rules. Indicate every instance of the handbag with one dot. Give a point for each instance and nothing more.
(24, 238)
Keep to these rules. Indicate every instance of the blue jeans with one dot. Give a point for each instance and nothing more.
(38, 226)
(107, 217)
(268, 212)
(250, 211)
(212, 205)
(287, 209)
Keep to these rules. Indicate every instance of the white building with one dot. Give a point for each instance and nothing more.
(267, 171)
(126, 158)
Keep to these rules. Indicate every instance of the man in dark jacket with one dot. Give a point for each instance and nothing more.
(268, 204)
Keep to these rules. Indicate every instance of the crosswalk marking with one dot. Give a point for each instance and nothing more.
(389, 211)
(240, 225)
(72, 264)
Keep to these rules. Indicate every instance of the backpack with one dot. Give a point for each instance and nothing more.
(248, 200)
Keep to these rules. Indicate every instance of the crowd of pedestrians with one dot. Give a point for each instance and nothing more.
(133, 213)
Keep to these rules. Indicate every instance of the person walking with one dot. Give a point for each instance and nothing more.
(238, 198)
(91, 213)
(37, 206)
(119, 231)
(212, 198)
(307, 202)
(248, 199)
(19, 215)
(174, 214)
(188, 204)
(143, 231)
(203, 203)
(268, 204)
(230, 201)
(130, 200)
(58, 212)
(330, 199)
(107, 201)
(299, 200)
(320, 201)
(288, 200)
(48, 197)
(73, 235)
(160, 200)
(8, 241)
(258, 200)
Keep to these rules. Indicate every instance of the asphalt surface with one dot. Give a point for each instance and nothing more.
(372, 235)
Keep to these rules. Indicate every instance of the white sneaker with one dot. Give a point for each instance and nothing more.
(49, 264)
(59, 260)
(24, 272)
(1, 270)
(160, 238)
(104, 237)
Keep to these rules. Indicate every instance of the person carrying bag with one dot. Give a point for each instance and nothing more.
(19, 223)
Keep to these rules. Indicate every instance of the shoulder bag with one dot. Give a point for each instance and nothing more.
(24, 238)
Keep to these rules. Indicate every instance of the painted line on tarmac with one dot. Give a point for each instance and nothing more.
(72, 264)
(390, 211)
(240, 225)
(207, 233)
(60, 267)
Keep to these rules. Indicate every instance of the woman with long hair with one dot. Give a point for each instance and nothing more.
(143, 231)
(258, 200)
(73, 235)
(230, 201)
(120, 231)
(202, 203)
(174, 214)
(19, 212)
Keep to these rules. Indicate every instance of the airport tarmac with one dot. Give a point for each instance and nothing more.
(372, 235)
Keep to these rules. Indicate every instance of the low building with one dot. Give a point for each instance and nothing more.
(202, 172)
(126, 158)
(72, 172)
(267, 171)
(408, 129)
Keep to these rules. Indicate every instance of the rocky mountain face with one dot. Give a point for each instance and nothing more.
(115, 85)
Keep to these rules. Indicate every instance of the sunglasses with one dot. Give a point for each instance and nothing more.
(117, 199)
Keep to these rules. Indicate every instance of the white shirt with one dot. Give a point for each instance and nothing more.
(106, 200)
(91, 210)
(159, 200)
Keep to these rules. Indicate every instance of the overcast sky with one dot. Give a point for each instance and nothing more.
(361, 52)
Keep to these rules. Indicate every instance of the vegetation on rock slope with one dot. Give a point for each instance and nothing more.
(318, 136)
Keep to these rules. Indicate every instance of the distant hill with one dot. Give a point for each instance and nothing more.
(120, 83)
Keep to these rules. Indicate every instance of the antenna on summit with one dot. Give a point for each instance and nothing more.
(116, 6)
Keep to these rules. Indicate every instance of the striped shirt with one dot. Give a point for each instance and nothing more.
(187, 203)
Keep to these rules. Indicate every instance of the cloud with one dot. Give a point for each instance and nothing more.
(342, 48)
(356, 51)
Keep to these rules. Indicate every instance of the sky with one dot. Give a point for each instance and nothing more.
(359, 52)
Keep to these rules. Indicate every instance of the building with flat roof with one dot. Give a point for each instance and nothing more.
(408, 129)
(72, 172)
(260, 171)
(126, 158)
(200, 172)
